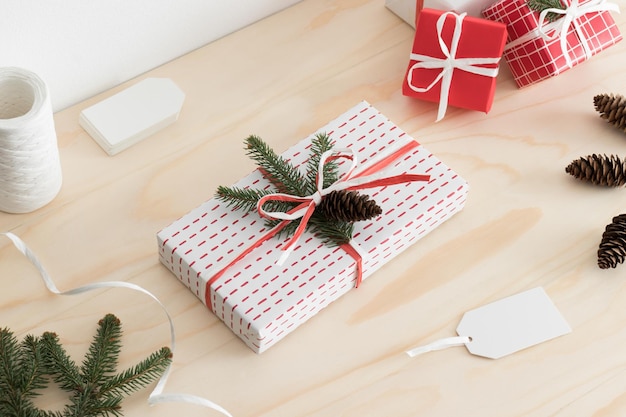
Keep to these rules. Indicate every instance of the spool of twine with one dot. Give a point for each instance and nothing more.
(30, 169)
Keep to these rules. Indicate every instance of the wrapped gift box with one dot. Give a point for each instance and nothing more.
(479, 38)
(532, 58)
(261, 301)
(407, 10)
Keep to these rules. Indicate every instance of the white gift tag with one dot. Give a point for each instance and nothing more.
(505, 326)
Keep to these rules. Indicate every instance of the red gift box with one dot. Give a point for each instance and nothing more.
(538, 49)
(454, 60)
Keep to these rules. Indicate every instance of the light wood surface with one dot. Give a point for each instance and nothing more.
(526, 224)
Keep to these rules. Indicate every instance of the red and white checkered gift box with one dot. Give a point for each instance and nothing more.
(537, 50)
(262, 301)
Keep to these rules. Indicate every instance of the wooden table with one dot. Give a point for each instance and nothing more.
(526, 224)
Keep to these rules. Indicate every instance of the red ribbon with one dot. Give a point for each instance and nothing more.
(307, 207)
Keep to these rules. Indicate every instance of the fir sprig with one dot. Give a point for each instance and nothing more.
(541, 5)
(21, 375)
(320, 144)
(288, 179)
(96, 390)
(284, 176)
(246, 199)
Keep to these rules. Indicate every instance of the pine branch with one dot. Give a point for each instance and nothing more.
(333, 233)
(320, 144)
(30, 364)
(25, 367)
(284, 176)
(101, 358)
(60, 366)
(87, 402)
(246, 199)
(21, 375)
(288, 179)
(9, 354)
(140, 375)
(541, 5)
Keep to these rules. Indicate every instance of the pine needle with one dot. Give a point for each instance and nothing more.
(320, 144)
(541, 5)
(284, 176)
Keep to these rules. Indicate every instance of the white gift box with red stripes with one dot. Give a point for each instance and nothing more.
(262, 301)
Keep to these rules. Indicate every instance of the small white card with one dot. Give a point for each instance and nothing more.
(133, 114)
(506, 326)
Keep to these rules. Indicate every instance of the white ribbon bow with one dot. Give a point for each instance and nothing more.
(449, 63)
(570, 16)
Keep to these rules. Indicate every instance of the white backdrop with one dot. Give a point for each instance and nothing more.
(83, 47)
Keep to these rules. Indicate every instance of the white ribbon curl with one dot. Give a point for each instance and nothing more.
(449, 63)
(439, 345)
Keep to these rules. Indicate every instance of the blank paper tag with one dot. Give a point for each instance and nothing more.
(133, 114)
(512, 324)
(505, 326)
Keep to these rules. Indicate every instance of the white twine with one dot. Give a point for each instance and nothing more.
(439, 345)
(30, 169)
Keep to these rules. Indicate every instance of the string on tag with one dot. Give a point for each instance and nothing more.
(439, 345)
(157, 396)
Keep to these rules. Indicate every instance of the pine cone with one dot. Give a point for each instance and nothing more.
(348, 206)
(609, 171)
(613, 245)
(612, 108)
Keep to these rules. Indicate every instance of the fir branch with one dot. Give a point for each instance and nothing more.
(246, 199)
(333, 233)
(95, 390)
(9, 353)
(288, 230)
(320, 144)
(284, 176)
(60, 366)
(541, 5)
(101, 358)
(21, 376)
(140, 375)
(30, 364)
